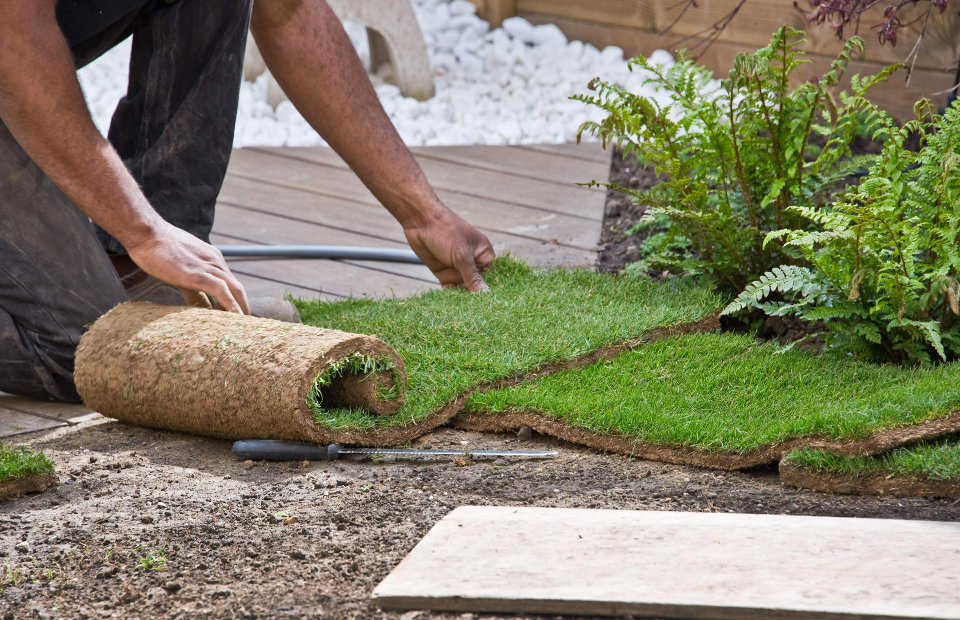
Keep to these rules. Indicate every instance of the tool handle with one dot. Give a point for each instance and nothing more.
(281, 450)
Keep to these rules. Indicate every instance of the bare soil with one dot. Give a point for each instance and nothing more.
(268, 540)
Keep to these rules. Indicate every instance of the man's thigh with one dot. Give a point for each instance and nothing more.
(55, 278)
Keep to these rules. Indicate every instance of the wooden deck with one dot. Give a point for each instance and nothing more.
(524, 198)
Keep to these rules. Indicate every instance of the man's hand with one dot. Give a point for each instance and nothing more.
(181, 260)
(455, 251)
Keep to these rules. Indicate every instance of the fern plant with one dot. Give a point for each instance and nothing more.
(734, 157)
(884, 259)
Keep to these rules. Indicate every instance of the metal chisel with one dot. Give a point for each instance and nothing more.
(280, 450)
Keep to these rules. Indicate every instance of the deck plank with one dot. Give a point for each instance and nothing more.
(361, 209)
(446, 176)
(258, 228)
(524, 199)
(587, 151)
(17, 422)
(336, 278)
(512, 161)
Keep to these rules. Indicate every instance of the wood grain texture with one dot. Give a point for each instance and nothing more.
(14, 422)
(680, 565)
(55, 411)
(896, 95)
(754, 23)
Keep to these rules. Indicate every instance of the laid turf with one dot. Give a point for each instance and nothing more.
(451, 340)
(728, 393)
(931, 461)
(18, 463)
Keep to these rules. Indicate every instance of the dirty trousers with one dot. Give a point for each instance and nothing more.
(174, 131)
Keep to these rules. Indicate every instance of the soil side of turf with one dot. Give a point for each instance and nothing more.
(125, 491)
(869, 484)
(880, 442)
(18, 487)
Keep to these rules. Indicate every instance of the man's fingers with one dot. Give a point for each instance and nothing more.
(469, 273)
(238, 292)
(218, 289)
(485, 256)
(195, 299)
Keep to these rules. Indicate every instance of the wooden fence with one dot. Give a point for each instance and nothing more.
(638, 27)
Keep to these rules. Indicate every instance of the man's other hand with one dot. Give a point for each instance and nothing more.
(183, 261)
(455, 251)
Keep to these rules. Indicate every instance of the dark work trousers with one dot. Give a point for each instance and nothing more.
(174, 131)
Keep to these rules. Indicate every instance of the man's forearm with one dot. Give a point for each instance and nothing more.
(43, 107)
(311, 57)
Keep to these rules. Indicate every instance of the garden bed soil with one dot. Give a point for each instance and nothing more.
(254, 539)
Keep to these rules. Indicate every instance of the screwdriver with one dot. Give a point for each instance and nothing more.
(281, 450)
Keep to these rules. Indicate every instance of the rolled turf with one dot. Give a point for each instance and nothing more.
(727, 401)
(231, 376)
(931, 469)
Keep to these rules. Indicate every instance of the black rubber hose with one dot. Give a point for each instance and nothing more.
(329, 252)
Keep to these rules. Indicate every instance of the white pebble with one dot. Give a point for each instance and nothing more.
(511, 85)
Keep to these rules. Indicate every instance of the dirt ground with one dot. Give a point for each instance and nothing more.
(266, 540)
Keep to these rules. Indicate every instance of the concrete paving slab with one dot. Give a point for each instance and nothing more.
(679, 565)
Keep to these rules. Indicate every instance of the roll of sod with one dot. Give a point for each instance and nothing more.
(231, 376)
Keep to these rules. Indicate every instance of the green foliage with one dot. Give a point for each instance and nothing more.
(735, 156)
(19, 463)
(885, 262)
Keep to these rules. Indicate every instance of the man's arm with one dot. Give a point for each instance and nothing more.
(43, 107)
(310, 55)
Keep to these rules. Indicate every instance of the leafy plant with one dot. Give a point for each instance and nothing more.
(735, 156)
(885, 263)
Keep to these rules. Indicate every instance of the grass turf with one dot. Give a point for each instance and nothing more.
(18, 463)
(932, 461)
(729, 393)
(451, 340)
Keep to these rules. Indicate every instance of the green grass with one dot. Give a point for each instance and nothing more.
(933, 461)
(451, 340)
(729, 393)
(16, 463)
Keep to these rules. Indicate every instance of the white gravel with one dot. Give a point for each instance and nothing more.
(510, 85)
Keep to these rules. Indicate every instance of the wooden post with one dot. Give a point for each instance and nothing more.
(495, 11)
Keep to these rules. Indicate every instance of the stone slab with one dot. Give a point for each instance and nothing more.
(679, 565)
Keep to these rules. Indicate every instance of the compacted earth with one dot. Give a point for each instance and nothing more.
(146, 523)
